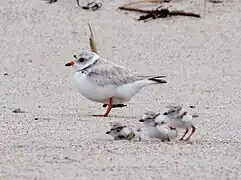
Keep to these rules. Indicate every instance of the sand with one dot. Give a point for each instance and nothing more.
(57, 138)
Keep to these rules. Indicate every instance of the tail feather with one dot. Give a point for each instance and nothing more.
(158, 80)
(159, 76)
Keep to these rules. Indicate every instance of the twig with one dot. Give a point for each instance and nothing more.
(215, 1)
(92, 42)
(144, 1)
(135, 9)
(159, 13)
(78, 2)
(183, 13)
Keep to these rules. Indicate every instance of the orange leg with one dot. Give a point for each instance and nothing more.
(107, 110)
(184, 135)
(193, 131)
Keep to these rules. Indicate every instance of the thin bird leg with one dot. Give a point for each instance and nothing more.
(107, 110)
(193, 131)
(184, 135)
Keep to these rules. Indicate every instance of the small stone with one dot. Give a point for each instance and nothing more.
(192, 106)
(5, 74)
(66, 158)
(36, 118)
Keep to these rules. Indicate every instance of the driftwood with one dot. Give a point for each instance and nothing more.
(158, 12)
(92, 41)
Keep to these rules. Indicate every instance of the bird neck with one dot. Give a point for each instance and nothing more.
(85, 69)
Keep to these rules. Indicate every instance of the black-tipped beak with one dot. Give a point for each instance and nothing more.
(141, 120)
(71, 63)
(107, 132)
(165, 113)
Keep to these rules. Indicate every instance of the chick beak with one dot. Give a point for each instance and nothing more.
(71, 63)
(107, 132)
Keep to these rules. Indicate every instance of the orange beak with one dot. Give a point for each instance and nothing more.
(71, 63)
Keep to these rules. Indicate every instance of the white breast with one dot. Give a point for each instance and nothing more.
(92, 91)
(153, 132)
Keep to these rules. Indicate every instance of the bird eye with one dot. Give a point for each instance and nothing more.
(81, 60)
(75, 56)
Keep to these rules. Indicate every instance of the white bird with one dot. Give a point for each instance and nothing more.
(180, 118)
(158, 128)
(119, 132)
(102, 81)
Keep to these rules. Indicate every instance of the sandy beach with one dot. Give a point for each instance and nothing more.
(56, 138)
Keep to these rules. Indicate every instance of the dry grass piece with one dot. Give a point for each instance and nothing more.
(92, 42)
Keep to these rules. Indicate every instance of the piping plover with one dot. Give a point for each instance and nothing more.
(105, 82)
(119, 132)
(156, 126)
(180, 118)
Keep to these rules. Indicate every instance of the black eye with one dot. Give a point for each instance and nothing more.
(81, 59)
(75, 56)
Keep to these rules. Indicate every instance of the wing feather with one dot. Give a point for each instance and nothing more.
(112, 75)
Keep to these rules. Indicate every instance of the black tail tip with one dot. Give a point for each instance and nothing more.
(162, 81)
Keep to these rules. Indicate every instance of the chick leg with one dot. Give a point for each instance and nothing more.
(184, 134)
(193, 131)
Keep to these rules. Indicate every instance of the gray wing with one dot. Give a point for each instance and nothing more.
(112, 75)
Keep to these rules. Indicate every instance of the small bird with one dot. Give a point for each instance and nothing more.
(120, 132)
(105, 82)
(158, 128)
(180, 118)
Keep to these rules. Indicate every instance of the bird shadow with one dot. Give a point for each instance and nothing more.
(110, 116)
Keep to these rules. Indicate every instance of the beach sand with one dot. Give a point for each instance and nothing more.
(57, 138)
